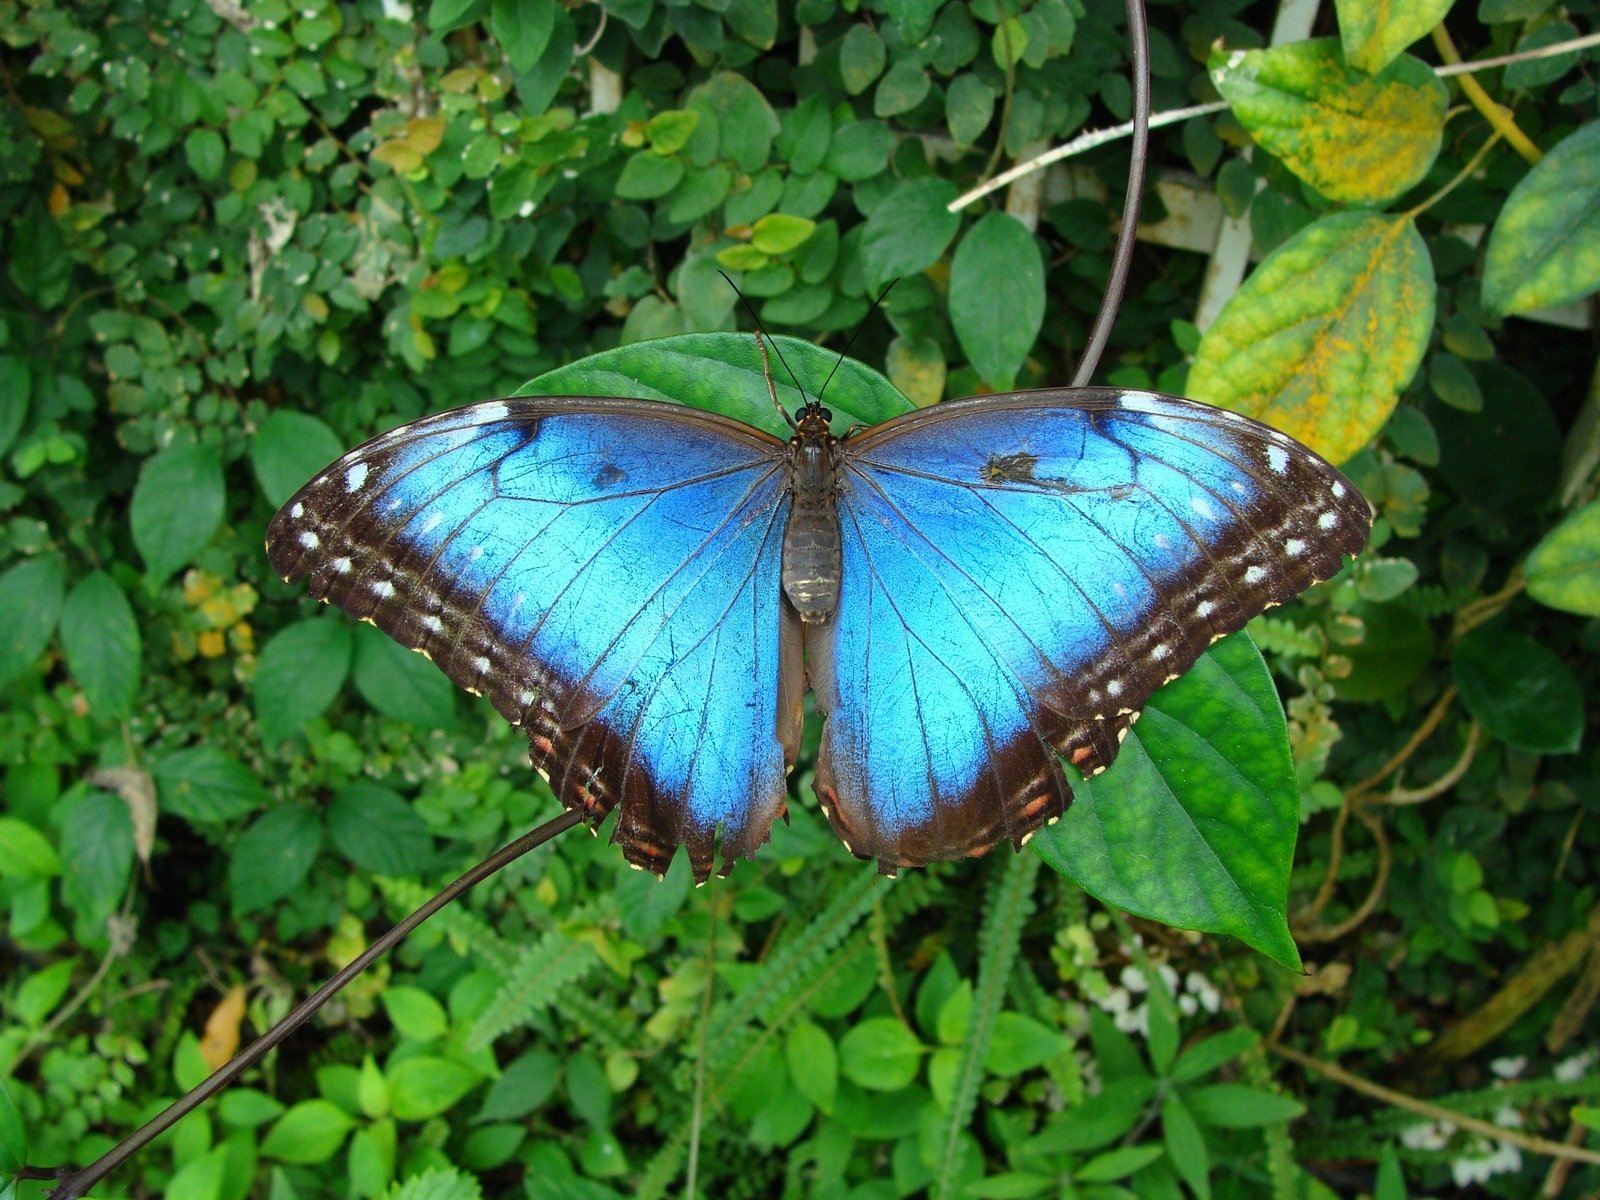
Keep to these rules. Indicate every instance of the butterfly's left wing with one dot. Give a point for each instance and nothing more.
(1020, 573)
(607, 572)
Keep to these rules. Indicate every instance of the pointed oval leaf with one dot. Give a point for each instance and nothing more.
(813, 1064)
(272, 858)
(523, 28)
(202, 784)
(1564, 569)
(30, 597)
(100, 638)
(401, 683)
(177, 506)
(288, 449)
(301, 670)
(1325, 333)
(1355, 138)
(1374, 32)
(1545, 245)
(723, 373)
(997, 297)
(378, 831)
(881, 1054)
(310, 1132)
(1195, 825)
(910, 229)
(424, 1087)
(1519, 691)
(13, 1135)
(96, 855)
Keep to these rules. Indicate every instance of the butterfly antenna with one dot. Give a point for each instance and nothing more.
(765, 362)
(860, 325)
(74, 1184)
(1117, 284)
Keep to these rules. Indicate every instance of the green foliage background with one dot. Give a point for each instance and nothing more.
(238, 238)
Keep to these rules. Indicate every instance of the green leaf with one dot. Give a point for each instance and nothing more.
(813, 1064)
(40, 992)
(880, 1054)
(424, 1087)
(1019, 1043)
(742, 117)
(1356, 139)
(13, 1135)
(1209, 1053)
(96, 855)
(203, 784)
(1186, 1146)
(273, 857)
(200, 1178)
(1325, 333)
(16, 385)
(447, 1183)
(910, 229)
(30, 597)
(247, 1108)
(1239, 1106)
(523, 1086)
(968, 108)
(177, 506)
(1396, 646)
(1563, 571)
(401, 683)
(1118, 1163)
(206, 153)
(29, 854)
(100, 638)
(997, 297)
(445, 15)
(415, 1014)
(859, 150)
(1390, 1183)
(723, 373)
(300, 672)
(779, 233)
(523, 28)
(914, 17)
(861, 58)
(288, 449)
(1519, 691)
(1195, 824)
(310, 1132)
(905, 86)
(647, 176)
(670, 131)
(378, 831)
(1374, 32)
(1544, 248)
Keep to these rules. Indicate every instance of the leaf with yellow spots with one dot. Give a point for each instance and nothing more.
(1545, 245)
(1374, 32)
(221, 1039)
(1357, 139)
(1321, 339)
(916, 366)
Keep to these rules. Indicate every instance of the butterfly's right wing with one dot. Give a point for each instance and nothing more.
(607, 572)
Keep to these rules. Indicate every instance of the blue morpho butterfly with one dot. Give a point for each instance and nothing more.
(970, 590)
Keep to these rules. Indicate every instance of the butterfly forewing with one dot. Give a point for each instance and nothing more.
(1020, 573)
(608, 573)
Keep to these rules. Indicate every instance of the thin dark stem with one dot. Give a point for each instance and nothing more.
(1117, 284)
(76, 1183)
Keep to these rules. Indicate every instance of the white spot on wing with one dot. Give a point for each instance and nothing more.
(310, 540)
(432, 623)
(1114, 688)
(1205, 608)
(1327, 520)
(1278, 459)
(383, 589)
(1160, 651)
(298, 511)
(1255, 574)
(355, 477)
(1337, 490)
(492, 412)
(341, 566)
(1293, 547)
(433, 522)
(1203, 506)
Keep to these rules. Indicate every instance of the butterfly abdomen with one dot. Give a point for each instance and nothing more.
(812, 561)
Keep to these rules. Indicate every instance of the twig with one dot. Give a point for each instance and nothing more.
(1434, 1112)
(1380, 880)
(1400, 756)
(1446, 781)
(1499, 118)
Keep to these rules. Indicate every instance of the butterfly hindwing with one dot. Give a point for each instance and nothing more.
(607, 572)
(1020, 573)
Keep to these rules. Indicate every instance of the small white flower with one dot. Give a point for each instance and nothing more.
(1510, 1066)
(1133, 979)
(1430, 1135)
(1576, 1067)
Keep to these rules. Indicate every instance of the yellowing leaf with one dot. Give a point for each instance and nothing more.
(1545, 245)
(1355, 138)
(1321, 339)
(1374, 32)
(1564, 569)
(221, 1039)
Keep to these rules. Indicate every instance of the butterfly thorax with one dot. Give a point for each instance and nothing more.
(811, 556)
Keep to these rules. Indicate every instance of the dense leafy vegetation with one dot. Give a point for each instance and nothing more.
(239, 237)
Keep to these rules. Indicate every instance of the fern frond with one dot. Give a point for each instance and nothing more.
(459, 923)
(536, 980)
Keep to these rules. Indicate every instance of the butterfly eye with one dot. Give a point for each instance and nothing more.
(827, 414)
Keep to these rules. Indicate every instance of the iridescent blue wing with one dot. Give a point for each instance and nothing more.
(1020, 573)
(607, 572)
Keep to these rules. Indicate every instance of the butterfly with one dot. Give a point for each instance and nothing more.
(972, 592)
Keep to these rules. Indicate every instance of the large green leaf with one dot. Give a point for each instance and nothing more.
(300, 672)
(1545, 245)
(272, 858)
(204, 784)
(401, 683)
(1519, 691)
(310, 1132)
(723, 373)
(909, 229)
(1195, 824)
(1564, 569)
(96, 854)
(100, 638)
(177, 506)
(997, 296)
(1355, 138)
(288, 449)
(1325, 333)
(378, 831)
(30, 597)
